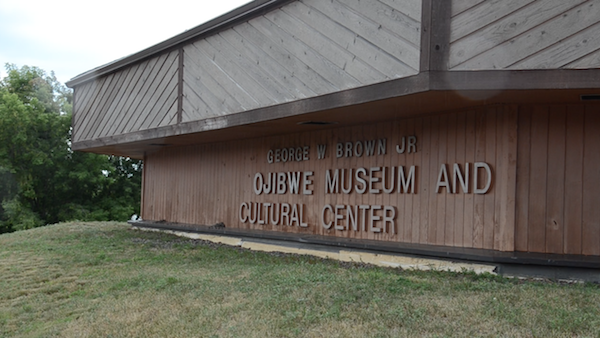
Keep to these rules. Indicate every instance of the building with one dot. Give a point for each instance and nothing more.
(460, 129)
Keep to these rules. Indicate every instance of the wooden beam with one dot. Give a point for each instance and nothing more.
(439, 43)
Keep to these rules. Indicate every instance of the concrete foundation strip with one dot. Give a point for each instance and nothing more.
(358, 256)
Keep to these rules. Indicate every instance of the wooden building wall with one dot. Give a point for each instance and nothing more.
(140, 97)
(207, 184)
(558, 180)
(524, 34)
(304, 49)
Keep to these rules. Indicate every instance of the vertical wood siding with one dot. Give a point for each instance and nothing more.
(304, 49)
(206, 184)
(140, 97)
(524, 34)
(558, 178)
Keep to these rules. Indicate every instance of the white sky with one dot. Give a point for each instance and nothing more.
(71, 37)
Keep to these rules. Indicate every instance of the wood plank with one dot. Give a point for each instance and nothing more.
(432, 237)
(170, 117)
(451, 158)
(415, 199)
(379, 60)
(394, 22)
(95, 111)
(381, 131)
(574, 179)
(469, 203)
(334, 75)
(406, 202)
(84, 92)
(82, 95)
(265, 41)
(523, 178)
(114, 82)
(369, 133)
(560, 54)
(507, 28)
(268, 64)
(228, 53)
(310, 200)
(146, 110)
(201, 86)
(116, 119)
(500, 182)
(401, 50)
(112, 121)
(459, 6)
(478, 199)
(85, 109)
(204, 60)
(194, 108)
(459, 196)
(482, 15)
(220, 56)
(537, 180)
(591, 177)
(424, 179)
(112, 116)
(441, 195)
(490, 223)
(325, 48)
(151, 97)
(132, 78)
(592, 60)
(507, 215)
(543, 36)
(410, 8)
(556, 180)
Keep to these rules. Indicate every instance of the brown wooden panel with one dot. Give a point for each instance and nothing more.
(489, 221)
(556, 180)
(434, 167)
(442, 158)
(425, 182)
(523, 171)
(91, 115)
(414, 204)
(206, 184)
(450, 212)
(508, 158)
(478, 200)
(469, 211)
(459, 199)
(538, 179)
(591, 179)
(111, 118)
(573, 179)
(501, 174)
(121, 102)
(132, 76)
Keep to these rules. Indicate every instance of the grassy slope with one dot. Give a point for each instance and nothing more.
(102, 279)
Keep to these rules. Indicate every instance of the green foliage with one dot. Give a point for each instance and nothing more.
(41, 179)
(19, 217)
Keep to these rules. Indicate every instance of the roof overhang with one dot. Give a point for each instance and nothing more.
(422, 94)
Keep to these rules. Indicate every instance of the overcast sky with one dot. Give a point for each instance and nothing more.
(71, 37)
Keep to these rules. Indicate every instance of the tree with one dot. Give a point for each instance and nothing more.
(42, 180)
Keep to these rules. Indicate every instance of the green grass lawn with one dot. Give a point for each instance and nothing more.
(105, 280)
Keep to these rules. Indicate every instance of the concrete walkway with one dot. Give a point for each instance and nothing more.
(344, 255)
